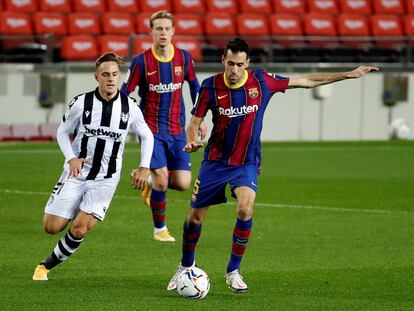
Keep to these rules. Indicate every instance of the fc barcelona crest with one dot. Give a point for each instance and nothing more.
(124, 117)
(253, 92)
(178, 70)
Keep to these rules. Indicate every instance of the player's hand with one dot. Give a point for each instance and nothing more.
(75, 167)
(362, 70)
(192, 146)
(202, 131)
(139, 177)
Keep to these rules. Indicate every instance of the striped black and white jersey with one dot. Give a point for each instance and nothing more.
(101, 128)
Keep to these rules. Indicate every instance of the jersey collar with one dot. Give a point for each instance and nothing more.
(163, 60)
(240, 84)
(103, 100)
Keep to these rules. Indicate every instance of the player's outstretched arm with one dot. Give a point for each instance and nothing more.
(192, 134)
(317, 79)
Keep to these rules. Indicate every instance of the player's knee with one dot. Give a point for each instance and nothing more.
(181, 185)
(79, 231)
(245, 211)
(52, 228)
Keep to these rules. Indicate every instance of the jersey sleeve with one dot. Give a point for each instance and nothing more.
(201, 107)
(132, 77)
(275, 83)
(140, 127)
(191, 77)
(70, 122)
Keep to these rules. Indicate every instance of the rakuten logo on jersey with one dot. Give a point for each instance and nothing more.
(165, 88)
(237, 112)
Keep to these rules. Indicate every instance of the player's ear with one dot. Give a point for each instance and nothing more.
(96, 76)
(223, 59)
(247, 62)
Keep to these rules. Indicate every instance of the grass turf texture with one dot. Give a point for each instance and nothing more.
(333, 228)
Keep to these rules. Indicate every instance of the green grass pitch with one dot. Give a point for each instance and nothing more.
(333, 230)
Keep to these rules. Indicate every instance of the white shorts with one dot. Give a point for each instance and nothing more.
(73, 195)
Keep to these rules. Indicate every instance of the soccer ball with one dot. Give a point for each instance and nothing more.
(193, 283)
(399, 129)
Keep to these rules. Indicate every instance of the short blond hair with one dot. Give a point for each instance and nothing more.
(109, 57)
(159, 15)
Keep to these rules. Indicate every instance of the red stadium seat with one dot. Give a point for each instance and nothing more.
(117, 23)
(55, 6)
(255, 6)
(21, 6)
(252, 24)
(388, 6)
(222, 6)
(322, 7)
(126, 6)
(84, 24)
(321, 25)
(48, 130)
(189, 6)
(92, 6)
(354, 26)
(219, 28)
(50, 22)
(220, 24)
(409, 25)
(15, 23)
(79, 47)
(191, 44)
(355, 6)
(154, 5)
(387, 25)
(114, 43)
(282, 25)
(141, 44)
(289, 6)
(188, 24)
(142, 23)
(410, 7)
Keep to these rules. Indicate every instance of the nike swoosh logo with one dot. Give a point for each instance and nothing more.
(220, 97)
(151, 73)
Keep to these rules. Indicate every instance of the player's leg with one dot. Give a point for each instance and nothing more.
(191, 235)
(158, 203)
(209, 189)
(244, 188)
(241, 234)
(179, 180)
(71, 241)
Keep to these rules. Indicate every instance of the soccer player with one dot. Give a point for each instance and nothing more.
(101, 120)
(237, 98)
(159, 73)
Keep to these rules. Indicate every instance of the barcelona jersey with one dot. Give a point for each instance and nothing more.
(237, 115)
(160, 83)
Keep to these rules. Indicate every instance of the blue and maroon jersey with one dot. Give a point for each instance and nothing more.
(237, 115)
(160, 83)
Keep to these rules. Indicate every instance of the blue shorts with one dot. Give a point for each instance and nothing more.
(168, 152)
(210, 186)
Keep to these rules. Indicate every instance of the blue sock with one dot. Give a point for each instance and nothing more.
(241, 236)
(191, 235)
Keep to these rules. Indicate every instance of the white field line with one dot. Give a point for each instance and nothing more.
(274, 205)
(267, 148)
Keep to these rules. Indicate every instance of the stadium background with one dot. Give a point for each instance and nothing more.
(333, 220)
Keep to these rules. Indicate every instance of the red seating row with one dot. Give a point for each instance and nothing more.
(213, 24)
(225, 6)
(28, 132)
(85, 47)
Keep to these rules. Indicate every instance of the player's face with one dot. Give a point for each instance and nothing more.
(108, 76)
(162, 32)
(234, 66)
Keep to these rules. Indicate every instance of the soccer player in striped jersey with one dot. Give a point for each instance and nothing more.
(159, 73)
(237, 98)
(101, 120)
